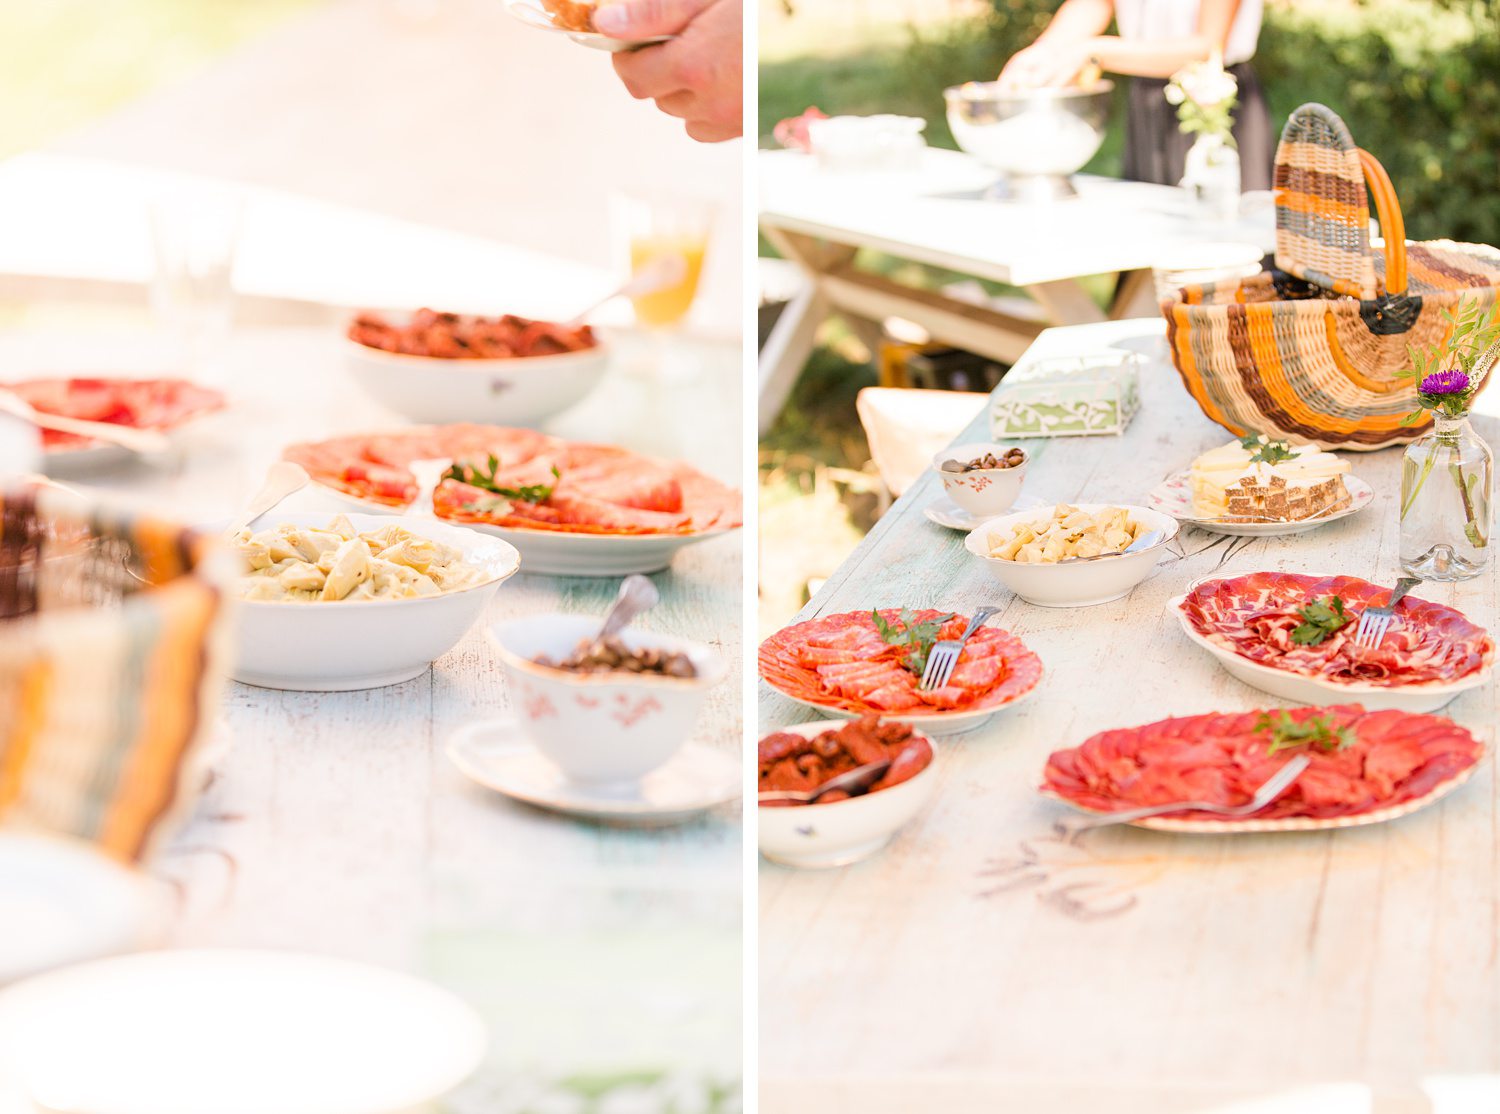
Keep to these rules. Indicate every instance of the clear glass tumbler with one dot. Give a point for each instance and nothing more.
(193, 237)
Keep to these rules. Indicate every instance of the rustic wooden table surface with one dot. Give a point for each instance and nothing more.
(1340, 971)
(602, 957)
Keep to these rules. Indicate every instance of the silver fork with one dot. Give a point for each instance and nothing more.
(1274, 786)
(944, 655)
(1375, 621)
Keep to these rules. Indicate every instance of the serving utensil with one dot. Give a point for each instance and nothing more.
(659, 272)
(944, 656)
(283, 478)
(1375, 621)
(428, 473)
(855, 782)
(145, 441)
(1274, 786)
(637, 595)
(1145, 541)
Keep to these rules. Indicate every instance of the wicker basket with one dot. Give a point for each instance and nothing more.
(1311, 352)
(110, 666)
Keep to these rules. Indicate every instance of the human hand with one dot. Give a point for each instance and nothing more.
(1044, 65)
(695, 77)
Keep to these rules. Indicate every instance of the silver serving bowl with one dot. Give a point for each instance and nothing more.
(1036, 138)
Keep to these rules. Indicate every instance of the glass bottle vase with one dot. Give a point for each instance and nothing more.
(1447, 481)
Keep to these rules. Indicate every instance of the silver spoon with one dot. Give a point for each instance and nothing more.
(1145, 541)
(856, 782)
(283, 478)
(660, 272)
(637, 595)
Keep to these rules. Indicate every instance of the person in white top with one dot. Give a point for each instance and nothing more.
(1156, 39)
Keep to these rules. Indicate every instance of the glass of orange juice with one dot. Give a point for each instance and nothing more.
(649, 227)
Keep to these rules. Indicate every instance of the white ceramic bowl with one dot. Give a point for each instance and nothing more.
(985, 491)
(1075, 583)
(360, 644)
(1301, 689)
(600, 728)
(522, 391)
(841, 832)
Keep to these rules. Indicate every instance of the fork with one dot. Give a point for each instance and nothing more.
(1375, 621)
(944, 656)
(1273, 787)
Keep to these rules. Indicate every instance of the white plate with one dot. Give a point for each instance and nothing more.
(1302, 689)
(498, 756)
(945, 512)
(555, 553)
(63, 902)
(933, 723)
(533, 15)
(1174, 496)
(235, 1032)
(361, 644)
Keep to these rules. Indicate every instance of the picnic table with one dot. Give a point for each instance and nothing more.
(1270, 970)
(938, 215)
(335, 823)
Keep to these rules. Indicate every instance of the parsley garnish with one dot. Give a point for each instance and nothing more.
(1318, 731)
(916, 638)
(1265, 452)
(476, 477)
(1320, 619)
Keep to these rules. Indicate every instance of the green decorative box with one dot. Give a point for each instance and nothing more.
(1068, 396)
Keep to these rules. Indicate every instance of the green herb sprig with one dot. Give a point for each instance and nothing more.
(1316, 731)
(1321, 619)
(916, 638)
(1267, 451)
(485, 481)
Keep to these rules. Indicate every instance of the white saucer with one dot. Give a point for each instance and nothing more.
(945, 512)
(229, 1031)
(496, 754)
(1174, 496)
(534, 16)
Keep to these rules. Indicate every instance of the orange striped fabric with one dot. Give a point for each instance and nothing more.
(110, 652)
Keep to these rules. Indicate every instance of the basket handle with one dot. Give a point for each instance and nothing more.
(1392, 223)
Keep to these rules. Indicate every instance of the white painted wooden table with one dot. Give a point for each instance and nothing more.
(335, 822)
(1351, 971)
(938, 215)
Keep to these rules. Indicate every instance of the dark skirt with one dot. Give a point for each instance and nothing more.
(1156, 150)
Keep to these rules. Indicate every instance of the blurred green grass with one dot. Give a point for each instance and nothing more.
(65, 63)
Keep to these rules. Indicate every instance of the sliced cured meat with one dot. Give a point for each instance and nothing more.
(840, 661)
(1253, 616)
(1393, 757)
(160, 404)
(594, 489)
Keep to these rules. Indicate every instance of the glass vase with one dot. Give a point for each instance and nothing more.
(1212, 173)
(1447, 480)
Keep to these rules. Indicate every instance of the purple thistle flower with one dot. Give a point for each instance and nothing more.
(1444, 383)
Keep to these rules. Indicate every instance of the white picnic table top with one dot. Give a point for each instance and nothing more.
(938, 215)
(335, 823)
(1351, 970)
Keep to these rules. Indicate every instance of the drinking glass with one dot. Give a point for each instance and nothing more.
(193, 238)
(646, 228)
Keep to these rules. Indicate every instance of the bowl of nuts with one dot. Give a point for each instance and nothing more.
(983, 479)
(605, 711)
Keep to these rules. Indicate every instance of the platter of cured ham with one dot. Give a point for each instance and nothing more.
(1366, 767)
(571, 509)
(844, 666)
(164, 405)
(1292, 635)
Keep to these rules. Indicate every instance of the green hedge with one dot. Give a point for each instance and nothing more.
(1417, 81)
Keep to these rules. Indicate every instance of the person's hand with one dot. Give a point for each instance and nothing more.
(695, 77)
(1044, 65)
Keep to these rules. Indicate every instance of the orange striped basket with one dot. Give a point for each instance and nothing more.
(1311, 352)
(110, 666)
